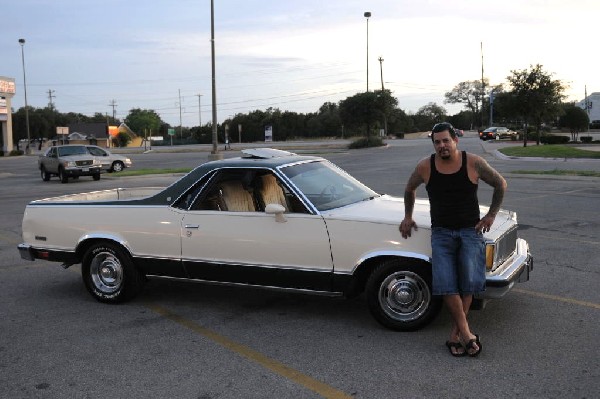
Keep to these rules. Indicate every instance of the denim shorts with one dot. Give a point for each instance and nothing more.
(458, 261)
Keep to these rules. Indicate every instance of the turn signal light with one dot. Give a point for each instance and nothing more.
(489, 256)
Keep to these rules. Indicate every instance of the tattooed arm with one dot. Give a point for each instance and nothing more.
(415, 180)
(489, 175)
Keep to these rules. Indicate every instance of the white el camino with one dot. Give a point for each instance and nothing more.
(269, 219)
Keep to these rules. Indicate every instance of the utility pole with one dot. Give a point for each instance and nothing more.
(385, 129)
(482, 86)
(587, 108)
(180, 128)
(380, 59)
(113, 104)
(199, 111)
(50, 96)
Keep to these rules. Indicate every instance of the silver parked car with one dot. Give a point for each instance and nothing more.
(110, 162)
(68, 161)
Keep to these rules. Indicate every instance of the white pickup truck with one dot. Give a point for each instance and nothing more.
(268, 219)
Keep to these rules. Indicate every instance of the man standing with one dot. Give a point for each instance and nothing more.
(451, 178)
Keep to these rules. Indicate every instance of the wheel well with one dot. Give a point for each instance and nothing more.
(86, 244)
(365, 269)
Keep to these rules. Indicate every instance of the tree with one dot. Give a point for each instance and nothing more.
(428, 115)
(366, 109)
(359, 111)
(535, 96)
(468, 93)
(575, 119)
(140, 119)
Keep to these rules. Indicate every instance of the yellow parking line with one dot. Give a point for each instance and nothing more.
(279, 368)
(558, 298)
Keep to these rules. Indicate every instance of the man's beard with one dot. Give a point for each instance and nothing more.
(444, 154)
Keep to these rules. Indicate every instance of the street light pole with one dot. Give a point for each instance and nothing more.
(199, 110)
(367, 16)
(22, 43)
(215, 150)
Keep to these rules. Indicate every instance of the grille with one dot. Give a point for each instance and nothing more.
(506, 245)
(84, 163)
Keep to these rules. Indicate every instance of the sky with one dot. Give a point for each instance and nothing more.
(291, 55)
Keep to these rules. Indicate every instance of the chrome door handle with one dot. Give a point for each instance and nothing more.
(192, 226)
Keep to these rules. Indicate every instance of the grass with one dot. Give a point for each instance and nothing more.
(558, 172)
(549, 151)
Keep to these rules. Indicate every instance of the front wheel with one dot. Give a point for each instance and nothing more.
(109, 273)
(62, 176)
(96, 176)
(399, 295)
(45, 174)
(117, 166)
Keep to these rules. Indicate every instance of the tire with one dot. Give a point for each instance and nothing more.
(96, 176)
(109, 273)
(62, 176)
(497, 137)
(45, 175)
(399, 295)
(117, 166)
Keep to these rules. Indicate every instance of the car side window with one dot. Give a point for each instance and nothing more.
(96, 151)
(247, 190)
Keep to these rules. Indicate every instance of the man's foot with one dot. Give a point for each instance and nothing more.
(456, 349)
(473, 347)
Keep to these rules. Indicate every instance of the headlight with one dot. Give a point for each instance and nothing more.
(96, 162)
(71, 164)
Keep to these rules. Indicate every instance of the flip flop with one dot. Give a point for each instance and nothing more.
(471, 346)
(457, 346)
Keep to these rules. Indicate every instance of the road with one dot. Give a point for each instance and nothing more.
(190, 340)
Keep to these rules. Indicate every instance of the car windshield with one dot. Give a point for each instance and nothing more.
(326, 185)
(76, 150)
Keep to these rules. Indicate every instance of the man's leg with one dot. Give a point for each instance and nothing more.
(459, 307)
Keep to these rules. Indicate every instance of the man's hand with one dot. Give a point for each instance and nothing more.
(406, 227)
(485, 223)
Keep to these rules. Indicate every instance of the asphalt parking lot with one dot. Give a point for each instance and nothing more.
(187, 340)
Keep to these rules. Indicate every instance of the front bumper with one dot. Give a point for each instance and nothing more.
(87, 171)
(515, 269)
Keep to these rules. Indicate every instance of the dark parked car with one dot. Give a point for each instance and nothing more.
(595, 124)
(497, 133)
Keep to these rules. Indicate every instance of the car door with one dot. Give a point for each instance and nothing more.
(51, 160)
(100, 155)
(228, 237)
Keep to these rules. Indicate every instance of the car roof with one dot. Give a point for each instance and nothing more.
(255, 158)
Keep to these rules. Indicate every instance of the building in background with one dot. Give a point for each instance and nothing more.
(592, 102)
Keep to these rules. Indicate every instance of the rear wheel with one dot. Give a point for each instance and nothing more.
(399, 295)
(109, 273)
(45, 175)
(117, 166)
(62, 176)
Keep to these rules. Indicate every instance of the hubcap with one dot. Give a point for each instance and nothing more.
(404, 296)
(106, 272)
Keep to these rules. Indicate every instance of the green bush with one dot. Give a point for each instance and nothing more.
(550, 139)
(366, 142)
(586, 139)
(15, 153)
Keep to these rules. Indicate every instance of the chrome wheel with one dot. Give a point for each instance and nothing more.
(117, 166)
(404, 296)
(106, 272)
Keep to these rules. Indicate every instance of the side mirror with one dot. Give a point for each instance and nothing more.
(277, 210)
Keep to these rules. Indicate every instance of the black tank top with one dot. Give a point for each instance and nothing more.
(452, 197)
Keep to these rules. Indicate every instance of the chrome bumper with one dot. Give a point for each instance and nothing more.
(26, 251)
(515, 269)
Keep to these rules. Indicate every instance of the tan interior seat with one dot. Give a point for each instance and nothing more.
(236, 198)
(271, 192)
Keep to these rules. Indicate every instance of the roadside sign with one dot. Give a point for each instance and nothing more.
(171, 132)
